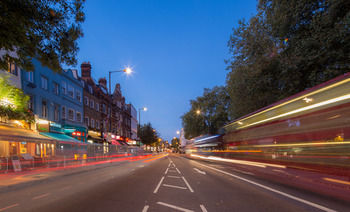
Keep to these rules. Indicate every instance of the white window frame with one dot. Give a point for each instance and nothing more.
(70, 91)
(30, 76)
(88, 121)
(69, 118)
(92, 123)
(44, 85)
(64, 112)
(64, 87)
(78, 96)
(92, 103)
(78, 120)
(86, 101)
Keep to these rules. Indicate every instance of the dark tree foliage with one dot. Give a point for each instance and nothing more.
(44, 29)
(147, 134)
(289, 46)
(213, 107)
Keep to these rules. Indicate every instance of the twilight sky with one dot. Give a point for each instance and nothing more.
(176, 48)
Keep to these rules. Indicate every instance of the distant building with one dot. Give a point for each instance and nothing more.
(13, 71)
(56, 99)
(133, 122)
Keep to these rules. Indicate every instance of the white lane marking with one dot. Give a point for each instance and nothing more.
(160, 182)
(173, 176)
(244, 172)
(188, 185)
(203, 208)
(8, 207)
(172, 186)
(174, 207)
(40, 196)
(273, 190)
(145, 208)
(141, 166)
(199, 171)
(166, 171)
(178, 171)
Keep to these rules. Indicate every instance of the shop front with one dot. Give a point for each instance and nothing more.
(77, 132)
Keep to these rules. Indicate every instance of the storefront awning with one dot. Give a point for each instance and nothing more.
(17, 134)
(60, 137)
(94, 138)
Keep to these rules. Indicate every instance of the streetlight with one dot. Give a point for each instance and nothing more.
(143, 109)
(128, 71)
(198, 112)
(178, 132)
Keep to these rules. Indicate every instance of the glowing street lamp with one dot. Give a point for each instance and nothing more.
(198, 112)
(178, 132)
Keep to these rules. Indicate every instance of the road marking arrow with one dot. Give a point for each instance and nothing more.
(199, 171)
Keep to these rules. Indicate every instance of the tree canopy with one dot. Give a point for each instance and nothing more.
(208, 113)
(147, 134)
(44, 29)
(287, 47)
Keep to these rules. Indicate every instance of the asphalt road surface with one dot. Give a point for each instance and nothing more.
(170, 183)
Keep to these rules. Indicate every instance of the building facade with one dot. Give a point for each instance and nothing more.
(56, 99)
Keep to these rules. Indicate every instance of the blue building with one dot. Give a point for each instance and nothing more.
(56, 99)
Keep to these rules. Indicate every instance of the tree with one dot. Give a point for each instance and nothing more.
(13, 102)
(147, 134)
(43, 29)
(287, 47)
(208, 113)
(175, 144)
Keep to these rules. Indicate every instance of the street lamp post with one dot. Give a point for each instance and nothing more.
(127, 71)
(143, 109)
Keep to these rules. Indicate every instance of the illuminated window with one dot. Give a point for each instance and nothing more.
(12, 68)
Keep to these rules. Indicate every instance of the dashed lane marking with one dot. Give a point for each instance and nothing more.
(160, 182)
(199, 171)
(172, 186)
(8, 207)
(41, 196)
(145, 208)
(271, 189)
(203, 208)
(188, 185)
(174, 207)
(173, 176)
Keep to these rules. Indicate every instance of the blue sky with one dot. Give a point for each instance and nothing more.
(176, 48)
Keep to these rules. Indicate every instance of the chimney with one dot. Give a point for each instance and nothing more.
(103, 82)
(85, 70)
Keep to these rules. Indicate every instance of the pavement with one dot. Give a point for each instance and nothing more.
(163, 183)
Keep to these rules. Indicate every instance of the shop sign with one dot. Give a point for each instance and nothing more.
(55, 127)
(42, 125)
(16, 164)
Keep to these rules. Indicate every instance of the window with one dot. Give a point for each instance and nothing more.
(97, 106)
(97, 124)
(55, 88)
(86, 100)
(56, 113)
(86, 121)
(44, 109)
(64, 87)
(90, 89)
(91, 103)
(31, 103)
(44, 83)
(12, 68)
(103, 108)
(71, 91)
(30, 76)
(78, 96)
(71, 114)
(92, 123)
(78, 117)
(63, 112)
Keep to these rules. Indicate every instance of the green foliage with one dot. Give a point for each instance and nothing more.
(13, 102)
(147, 134)
(287, 47)
(213, 107)
(44, 29)
(175, 143)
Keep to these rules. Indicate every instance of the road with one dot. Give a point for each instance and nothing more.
(169, 183)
